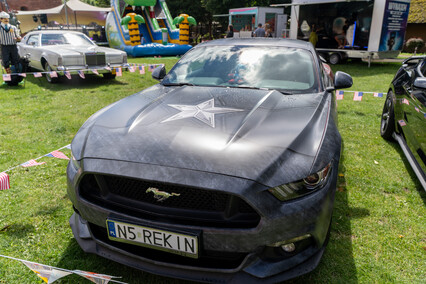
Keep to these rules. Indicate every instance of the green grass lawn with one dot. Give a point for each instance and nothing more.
(378, 230)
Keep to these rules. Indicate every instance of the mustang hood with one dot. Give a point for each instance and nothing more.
(260, 135)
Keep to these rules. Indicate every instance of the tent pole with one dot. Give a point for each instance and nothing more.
(66, 13)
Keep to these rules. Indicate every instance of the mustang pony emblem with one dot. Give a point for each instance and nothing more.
(161, 195)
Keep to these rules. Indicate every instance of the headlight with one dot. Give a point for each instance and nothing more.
(75, 163)
(302, 187)
(60, 61)
(125, 58)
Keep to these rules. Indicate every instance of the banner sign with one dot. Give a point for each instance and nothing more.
(394, 25)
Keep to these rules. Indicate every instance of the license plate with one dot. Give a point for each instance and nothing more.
(182, 244)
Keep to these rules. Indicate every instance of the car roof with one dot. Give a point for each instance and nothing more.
(54, 32)
(260, 42)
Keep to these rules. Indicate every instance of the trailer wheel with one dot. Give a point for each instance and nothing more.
(334, 58)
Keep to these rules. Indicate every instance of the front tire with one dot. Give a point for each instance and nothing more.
(387, 124)
(334, 58)
(48, 77)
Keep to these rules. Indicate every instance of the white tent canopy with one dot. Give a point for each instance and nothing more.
(73, 12)
(73, 5)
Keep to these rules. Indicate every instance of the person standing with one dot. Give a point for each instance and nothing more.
(9, 35)
(259, 32)
(230, 32)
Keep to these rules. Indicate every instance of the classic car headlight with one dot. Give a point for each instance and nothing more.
(125, 58)
(60, 61)
(302, 187)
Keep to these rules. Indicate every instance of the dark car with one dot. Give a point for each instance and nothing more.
(404, 113)
(225, 171)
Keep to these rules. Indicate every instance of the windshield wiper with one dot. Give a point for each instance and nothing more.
(178, 84)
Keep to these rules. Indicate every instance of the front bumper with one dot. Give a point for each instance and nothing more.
(226, 254)
(101, 69)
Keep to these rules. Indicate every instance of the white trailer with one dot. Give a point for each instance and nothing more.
(363, 29)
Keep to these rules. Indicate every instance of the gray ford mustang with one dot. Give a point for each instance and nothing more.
(225, 171)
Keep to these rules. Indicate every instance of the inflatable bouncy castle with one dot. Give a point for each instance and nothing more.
(146, 28)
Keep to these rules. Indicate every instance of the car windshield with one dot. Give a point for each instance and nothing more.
(289, 70)
(65, 38)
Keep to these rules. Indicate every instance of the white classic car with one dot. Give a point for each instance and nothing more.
(63, 50)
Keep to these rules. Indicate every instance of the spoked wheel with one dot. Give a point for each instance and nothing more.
(50, 79)
(387, 124)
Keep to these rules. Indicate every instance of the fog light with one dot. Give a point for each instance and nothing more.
(288, 247)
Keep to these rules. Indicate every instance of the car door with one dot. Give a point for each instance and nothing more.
(33, 50)
(414, 113)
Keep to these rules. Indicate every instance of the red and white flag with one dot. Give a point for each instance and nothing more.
(68, 74)
(95, 71)
(4, 181)
(131, 69)
(402, 122)
(339, 95)
(94, 277)
(57, 154)
(142, 70)
(7, 77)
(108, 68)
(81, 74)
(23, 75)
(357, 96)
(38, 75)
(53, 74)
(378, 95)
(118, 72)
(32, 163)
(47, 273)
(405, 101)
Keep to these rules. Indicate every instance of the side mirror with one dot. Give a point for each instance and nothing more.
(420, 83)
(342, 80)
(159, 73)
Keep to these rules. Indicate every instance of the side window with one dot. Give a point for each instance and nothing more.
(33, 40)
(422, 69)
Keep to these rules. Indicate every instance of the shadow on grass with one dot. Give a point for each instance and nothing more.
(91, 82)
(17, 230)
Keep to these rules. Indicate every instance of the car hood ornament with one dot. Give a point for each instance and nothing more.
(204, 112)
(161, 195)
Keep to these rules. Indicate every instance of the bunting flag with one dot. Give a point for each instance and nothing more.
(4, 181)
(7, 77)
(108, 68)
(405, 101)
(38, 75)
(378, 95)
(118, 72)
(357, 96)
(23, 75)
(68, 146)
(67, 74)
(94, 277)
(402, 122)
(131, 69)
(53, 74)
(50, 274)
(31, 163)
(417, 109)
(151, 68)
(57, 154)
(95, 71)
(142, 70)
(81, 74)
(339, 95)
(47, 273)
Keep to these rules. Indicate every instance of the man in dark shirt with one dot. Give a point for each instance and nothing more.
(9, 35)
(259, 32)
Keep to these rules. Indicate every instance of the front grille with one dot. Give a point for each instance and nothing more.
(187, 205)
(206, 259)
(95, 59)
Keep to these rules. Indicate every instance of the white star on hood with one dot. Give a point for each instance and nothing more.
(204, 112)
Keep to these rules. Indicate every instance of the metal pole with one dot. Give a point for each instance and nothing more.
(66, 13)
